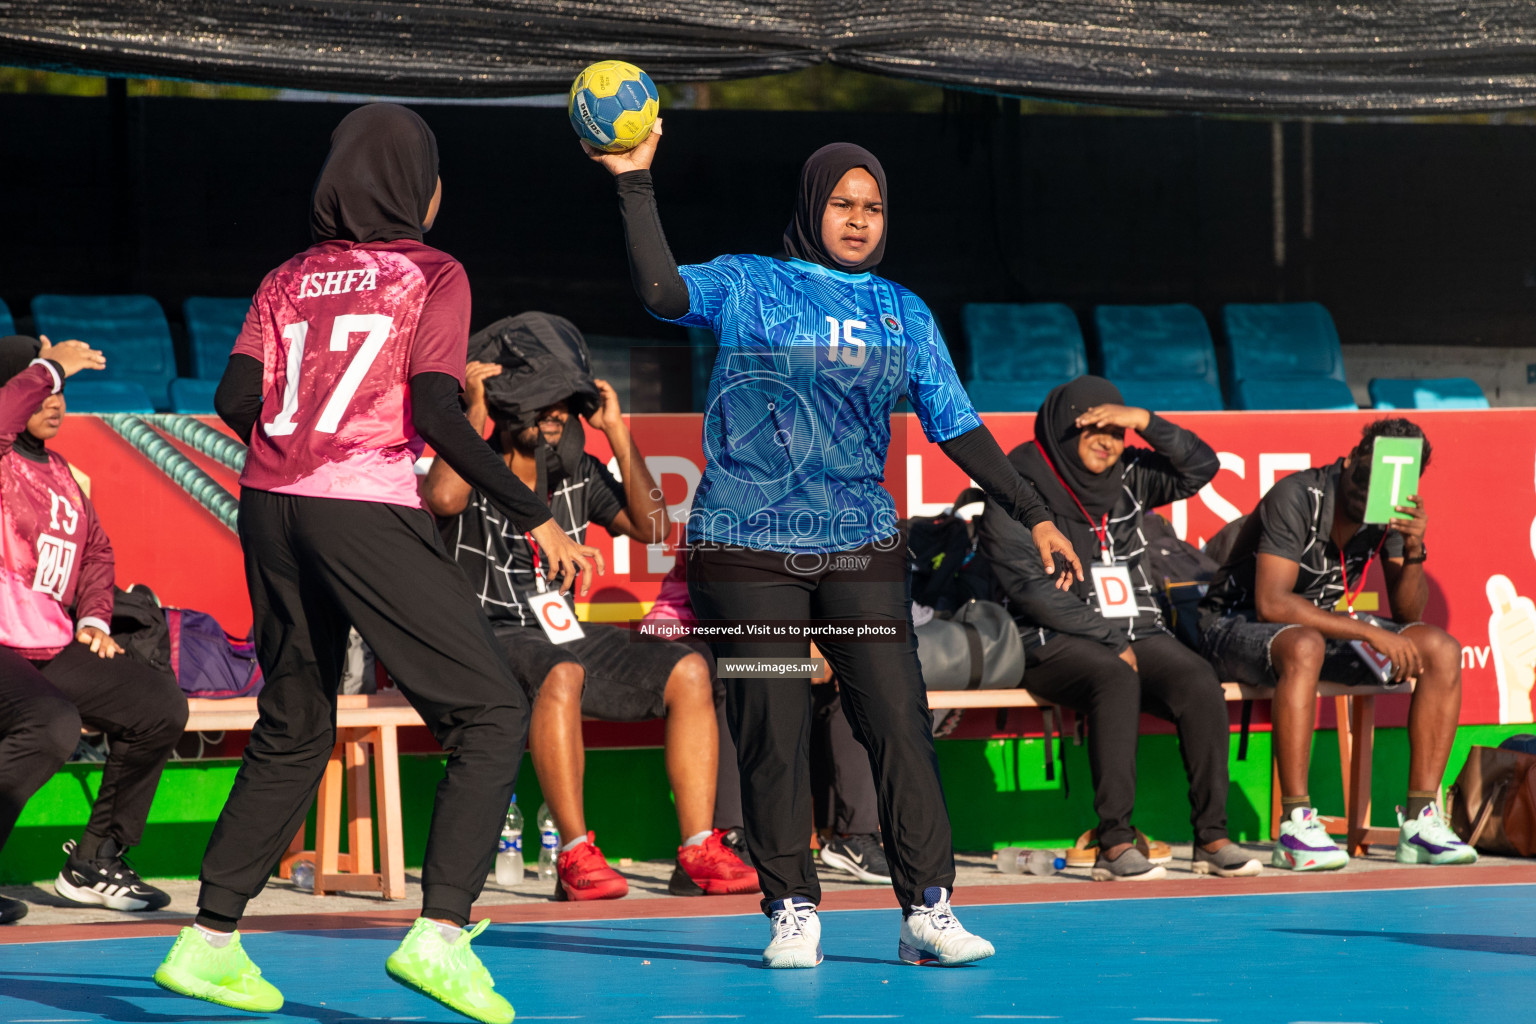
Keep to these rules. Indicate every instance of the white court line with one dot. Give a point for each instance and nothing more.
(688, 1016)
(1017, 1016)
(1183, 1020)
(857, 1016)
(1334, 1022)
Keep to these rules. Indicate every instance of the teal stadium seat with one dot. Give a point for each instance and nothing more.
(7, 324)
(193, 396)
(1285, 356)
(1160, 357)
(95, 394)
(1426, 393)
(1019, 351)
(130, 329)
(212, 327)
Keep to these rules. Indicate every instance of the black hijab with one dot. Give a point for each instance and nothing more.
(819, 176)
(378, 179)
(1057, 433)
(16, 354)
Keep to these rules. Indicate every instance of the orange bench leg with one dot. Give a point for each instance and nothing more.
(386, 767)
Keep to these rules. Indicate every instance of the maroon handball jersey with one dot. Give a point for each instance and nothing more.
(340, 330)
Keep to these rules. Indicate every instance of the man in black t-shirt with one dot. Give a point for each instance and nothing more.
(1271, 618)
(609, 672)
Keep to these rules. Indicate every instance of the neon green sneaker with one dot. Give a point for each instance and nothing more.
(448, 972)
(224, 976)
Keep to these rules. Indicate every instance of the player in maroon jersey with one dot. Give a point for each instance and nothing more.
(352, 356)
(58, 664)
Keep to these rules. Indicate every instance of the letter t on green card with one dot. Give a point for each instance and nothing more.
(1395, 463)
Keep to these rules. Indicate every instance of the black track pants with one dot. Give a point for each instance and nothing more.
(42, 706)
(1176, 685)
(882, 695)
(314, 566)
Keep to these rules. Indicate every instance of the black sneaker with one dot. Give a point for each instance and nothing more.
(106, 881)
(11, 910)
(736, 840)
(861, 856)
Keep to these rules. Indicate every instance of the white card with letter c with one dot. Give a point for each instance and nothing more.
(1112, 584)
(555, 617)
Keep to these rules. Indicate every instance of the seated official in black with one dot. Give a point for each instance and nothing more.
(1102, 647)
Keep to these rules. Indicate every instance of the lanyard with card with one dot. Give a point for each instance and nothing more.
(549, 607)
(1112, 584)
(1111, 579)
(1378, 663)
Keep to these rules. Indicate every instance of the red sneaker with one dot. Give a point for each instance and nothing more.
(711, 869)
(585, 875)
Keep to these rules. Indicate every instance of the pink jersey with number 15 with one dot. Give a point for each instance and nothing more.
(340, 330)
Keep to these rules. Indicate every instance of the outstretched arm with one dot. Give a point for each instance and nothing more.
(976, 451)
(651, 265)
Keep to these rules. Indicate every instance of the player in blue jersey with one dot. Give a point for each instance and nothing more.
(791, 522)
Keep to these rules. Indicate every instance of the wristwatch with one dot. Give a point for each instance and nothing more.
(1411, 560)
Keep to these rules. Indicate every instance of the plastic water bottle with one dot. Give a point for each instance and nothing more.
(549, 844)
(509, 849)
(302, 875)
(1014, 860)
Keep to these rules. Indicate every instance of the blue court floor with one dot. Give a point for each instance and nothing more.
(1463, 953)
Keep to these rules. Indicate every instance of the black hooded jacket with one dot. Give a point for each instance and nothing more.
(1177, 466)
(544, 360)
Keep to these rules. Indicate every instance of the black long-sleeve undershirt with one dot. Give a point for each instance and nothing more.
(977, 452)
(652, 268)
(438, 418)
(238, 397)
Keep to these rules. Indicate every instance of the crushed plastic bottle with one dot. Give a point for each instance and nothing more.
(1014, 860)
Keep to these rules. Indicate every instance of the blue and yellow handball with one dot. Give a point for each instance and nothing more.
(613, 105)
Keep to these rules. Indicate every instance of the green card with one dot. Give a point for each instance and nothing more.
(1395, 463)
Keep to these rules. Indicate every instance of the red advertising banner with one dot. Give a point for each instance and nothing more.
(1479, 490)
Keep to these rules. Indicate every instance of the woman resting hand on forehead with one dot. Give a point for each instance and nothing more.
(1103, 648)
(792, 521)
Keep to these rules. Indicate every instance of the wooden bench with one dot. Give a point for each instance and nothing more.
(1355, 708)
(367, 724)
(366, 727)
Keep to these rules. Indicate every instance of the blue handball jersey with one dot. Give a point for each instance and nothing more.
(812, 362)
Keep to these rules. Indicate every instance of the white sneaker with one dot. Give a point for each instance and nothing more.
(932, 934)
(1427, 839)
(796, 933)
(1304, 844)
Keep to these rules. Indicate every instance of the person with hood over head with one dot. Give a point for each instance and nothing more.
(791, 522)
(351, 358)
(1114, 658)
(531, 377)
(58, 661)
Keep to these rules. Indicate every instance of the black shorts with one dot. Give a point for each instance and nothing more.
(626, 674)
(1238, 648)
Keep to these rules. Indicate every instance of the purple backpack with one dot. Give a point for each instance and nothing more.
(209, 662)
